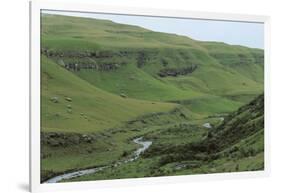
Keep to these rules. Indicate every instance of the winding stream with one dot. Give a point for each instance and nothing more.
(136, 154)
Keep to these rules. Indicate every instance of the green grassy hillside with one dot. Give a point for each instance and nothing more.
(238, 58)
(70, 104)
(66, 33)
(104, 50)
(237, 144)
(135, 83)
(241, 127)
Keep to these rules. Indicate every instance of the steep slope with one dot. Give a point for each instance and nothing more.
(135, 83)
(173, 67)
(244, 124)
(248, 62)
(237, 144)
(241, 130)
(70, 104)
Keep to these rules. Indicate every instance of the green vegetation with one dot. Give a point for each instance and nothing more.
(235, 145)
(104, 84)
(133, 57)
(90, 108)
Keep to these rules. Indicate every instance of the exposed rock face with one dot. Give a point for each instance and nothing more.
(100, 67)
(76, 54)
(141, 59)
(75, 61)
(177, 71)
(107, 60)
(238, 59)
(63, 140)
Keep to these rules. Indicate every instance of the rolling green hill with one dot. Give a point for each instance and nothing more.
(143, 64)
(70, 104)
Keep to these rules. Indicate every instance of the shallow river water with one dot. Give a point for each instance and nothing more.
(136, 154)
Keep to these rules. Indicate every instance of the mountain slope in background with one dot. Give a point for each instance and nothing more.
(153, 65)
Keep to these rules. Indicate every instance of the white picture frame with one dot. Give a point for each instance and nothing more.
(37, 6)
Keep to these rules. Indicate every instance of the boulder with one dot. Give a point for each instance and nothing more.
(55, 99)
(68, 99)
(123, 95)
(74, 139)
(87, 138)
(53, 142)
